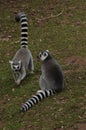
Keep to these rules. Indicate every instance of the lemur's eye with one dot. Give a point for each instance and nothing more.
(45, 54)
(18, 67)
(13, 67)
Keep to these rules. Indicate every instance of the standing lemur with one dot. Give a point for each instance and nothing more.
(51, 80)
(23, 59)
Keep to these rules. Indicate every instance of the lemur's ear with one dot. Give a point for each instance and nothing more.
(47, 50)
(10, 61)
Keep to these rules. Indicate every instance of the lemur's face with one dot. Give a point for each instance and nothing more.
(43, 55)
(15, 66)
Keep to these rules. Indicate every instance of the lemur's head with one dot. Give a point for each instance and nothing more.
(44, 55)
(15, 66)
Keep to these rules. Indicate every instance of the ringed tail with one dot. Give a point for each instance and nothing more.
(21, 17)
(36, 99)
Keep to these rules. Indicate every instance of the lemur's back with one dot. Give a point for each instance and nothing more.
(53, 74)
(24, 55)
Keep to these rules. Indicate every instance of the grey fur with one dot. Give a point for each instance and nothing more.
(52, 75)
(23, 59)
(51, 80)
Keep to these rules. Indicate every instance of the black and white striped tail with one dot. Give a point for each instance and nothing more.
(37, 98)
(24, 28)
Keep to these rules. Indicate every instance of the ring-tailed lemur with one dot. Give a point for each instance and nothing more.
(51, 80)
(23, 59)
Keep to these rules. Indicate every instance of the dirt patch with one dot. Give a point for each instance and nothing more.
(76, 61)
(1, 124)
(79, 62)
(81, 126)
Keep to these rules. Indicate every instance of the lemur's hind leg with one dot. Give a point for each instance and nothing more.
(31, 66)
(23, 74)
(43, 84)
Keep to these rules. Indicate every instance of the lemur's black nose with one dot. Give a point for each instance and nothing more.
(16, 70)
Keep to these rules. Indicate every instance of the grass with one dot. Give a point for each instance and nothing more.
(65, 37)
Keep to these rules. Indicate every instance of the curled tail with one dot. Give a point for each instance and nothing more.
(37, 98)
(24, 28)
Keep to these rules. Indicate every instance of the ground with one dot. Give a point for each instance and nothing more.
(60, 27)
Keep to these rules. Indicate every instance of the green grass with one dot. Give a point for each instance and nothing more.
(65, 37)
